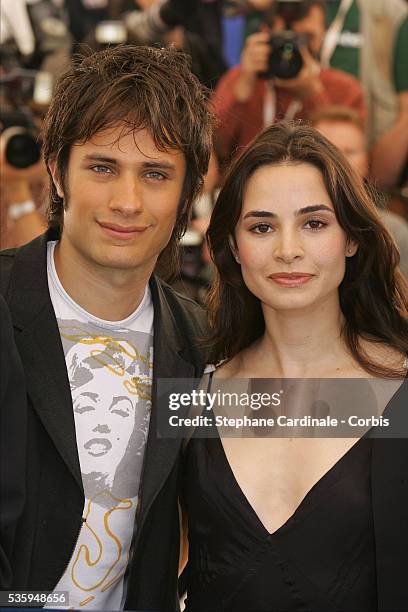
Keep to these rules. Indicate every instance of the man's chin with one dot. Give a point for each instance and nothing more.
(116, 258)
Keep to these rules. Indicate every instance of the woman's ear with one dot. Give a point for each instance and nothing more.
(234, 249)
(351, 248)
(53, 169)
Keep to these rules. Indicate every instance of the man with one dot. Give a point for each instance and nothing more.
(126, 142)
(245, 103)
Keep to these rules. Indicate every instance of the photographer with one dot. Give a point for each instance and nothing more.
(280, 76)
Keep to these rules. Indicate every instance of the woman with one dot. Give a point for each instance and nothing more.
(307, 287)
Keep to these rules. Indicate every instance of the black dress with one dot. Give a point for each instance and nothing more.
(321, 559)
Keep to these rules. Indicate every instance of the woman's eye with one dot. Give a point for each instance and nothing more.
(315, 224)
(121, 412)
(261, 228)
(80, 409)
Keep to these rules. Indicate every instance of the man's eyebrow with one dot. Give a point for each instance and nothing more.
(302, 211)
(100, 158)
(147, 164)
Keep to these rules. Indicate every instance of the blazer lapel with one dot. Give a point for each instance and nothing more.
(40, 347)
(169, 362)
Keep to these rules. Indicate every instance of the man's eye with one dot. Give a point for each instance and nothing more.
(157, 176)
(261, 228)
(315, 224)
(101, 169)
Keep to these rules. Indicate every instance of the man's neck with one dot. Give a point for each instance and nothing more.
(107, 293)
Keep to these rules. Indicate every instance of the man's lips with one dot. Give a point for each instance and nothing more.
(123, 232)
(291, 279)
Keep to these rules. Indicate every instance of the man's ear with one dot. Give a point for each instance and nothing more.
(52, 165)
(234, 249)
(351, 247)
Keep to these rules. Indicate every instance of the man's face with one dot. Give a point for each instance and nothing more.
(121, 200)
(349, 139)
(313, 25)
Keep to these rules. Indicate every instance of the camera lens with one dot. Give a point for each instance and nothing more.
(285, 59)
(22, 150)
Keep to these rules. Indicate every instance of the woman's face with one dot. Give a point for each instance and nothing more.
(290, 246)
(104, 420)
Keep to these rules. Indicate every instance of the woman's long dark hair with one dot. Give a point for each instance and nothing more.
(373, 293)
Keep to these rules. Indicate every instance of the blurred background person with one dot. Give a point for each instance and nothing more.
(390, 152)
(198, 25)
(280, 77)
(367, 38)
(343, 127)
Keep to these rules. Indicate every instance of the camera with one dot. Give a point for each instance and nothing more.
(19, 133)
(20, 142)
(285, 59)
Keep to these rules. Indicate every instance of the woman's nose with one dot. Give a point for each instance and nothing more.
(102, 428)
(288, 246)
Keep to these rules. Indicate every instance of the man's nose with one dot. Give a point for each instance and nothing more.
(127, 198)
(102, 429)
(288, 246)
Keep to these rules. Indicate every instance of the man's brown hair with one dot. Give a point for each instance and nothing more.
(140, 88)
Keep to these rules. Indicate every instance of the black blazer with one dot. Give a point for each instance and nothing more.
(13, 431)
(52, 517)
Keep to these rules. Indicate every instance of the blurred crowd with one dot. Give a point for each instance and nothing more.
(341, 65)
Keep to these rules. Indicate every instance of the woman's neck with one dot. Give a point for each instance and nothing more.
(303, 343)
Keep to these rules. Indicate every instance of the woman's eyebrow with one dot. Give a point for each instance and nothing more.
(260, 213)
(120, 398)
(302, 211)
(315, 208)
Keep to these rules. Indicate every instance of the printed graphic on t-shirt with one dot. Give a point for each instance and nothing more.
(110, 375)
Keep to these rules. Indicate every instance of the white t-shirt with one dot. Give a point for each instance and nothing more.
(110, 369)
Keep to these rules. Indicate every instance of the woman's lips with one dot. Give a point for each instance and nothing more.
(295, 279)
(122, 232)
(98, 446)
